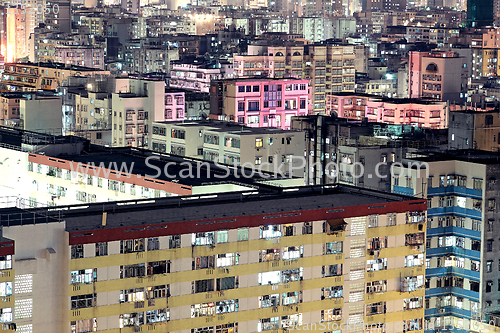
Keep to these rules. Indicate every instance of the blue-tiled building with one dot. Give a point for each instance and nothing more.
(463, 235)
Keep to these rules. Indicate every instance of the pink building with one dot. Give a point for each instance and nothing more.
(439, 75)
(418, 113)
(259, 102)
(174, 105)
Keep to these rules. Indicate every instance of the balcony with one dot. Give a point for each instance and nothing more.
(403, 190)
(453, 250)
(448, 190)
(457, 271)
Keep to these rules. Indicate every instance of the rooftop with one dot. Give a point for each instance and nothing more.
(223, 126)
(390, 100)
(253, 79)
(466, 155)
(135, 160)
(56, 65)
(208, 207)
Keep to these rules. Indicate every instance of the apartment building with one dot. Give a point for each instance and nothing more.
(474, 130)
(9, 106)
(415, 112)
(42, 76)
(361, 153)
(462, 240)
(438, 75)
(219, 264)
(119, 109)
(328, 66)
(175, 105)
(485, 52)
(431, 35)
(134, 111)
(230, 143)
(87, 56)
(259, 102)
(196, 76)
(154, 59)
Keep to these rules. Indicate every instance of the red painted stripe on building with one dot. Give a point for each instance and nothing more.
(134, 179)
(206, 225)
(7, 248)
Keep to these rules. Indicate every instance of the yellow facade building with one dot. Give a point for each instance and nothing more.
(319, 258)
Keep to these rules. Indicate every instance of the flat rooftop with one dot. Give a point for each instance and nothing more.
(135, 160)
(466, 155)
(56, 65)
(258, 78)
(213, 206)
(390, 100)
(230, 127)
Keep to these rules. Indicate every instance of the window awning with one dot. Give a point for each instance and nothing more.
(336, 222)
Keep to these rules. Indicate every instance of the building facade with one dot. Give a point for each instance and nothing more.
(179, 273)
(418, 113)
(259, 102)
(329, 67)
(461, 272)
(438, 75)
(259, 148)
(32, 77)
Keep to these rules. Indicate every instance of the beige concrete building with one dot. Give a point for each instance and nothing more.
(230, 143)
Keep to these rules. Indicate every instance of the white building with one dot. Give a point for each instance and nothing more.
(197, 77)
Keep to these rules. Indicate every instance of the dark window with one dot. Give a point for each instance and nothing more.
(227, 283)
(489, 245)
(302, 104)
(241, 89)
(489, 284)
(253, 106)
(249, 88)
(474, 286)
(174, 242)
(488, 120)
(77, 251)
(101, 249)
(158, 267)
(202, 286)
(241, 106)
(84, 301)
(307, 229)
(256, 88)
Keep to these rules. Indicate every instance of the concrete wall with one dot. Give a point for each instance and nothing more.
(42, 115)
(42, 256)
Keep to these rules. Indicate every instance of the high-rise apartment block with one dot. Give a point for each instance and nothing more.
(462, 286)
(244, 262)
